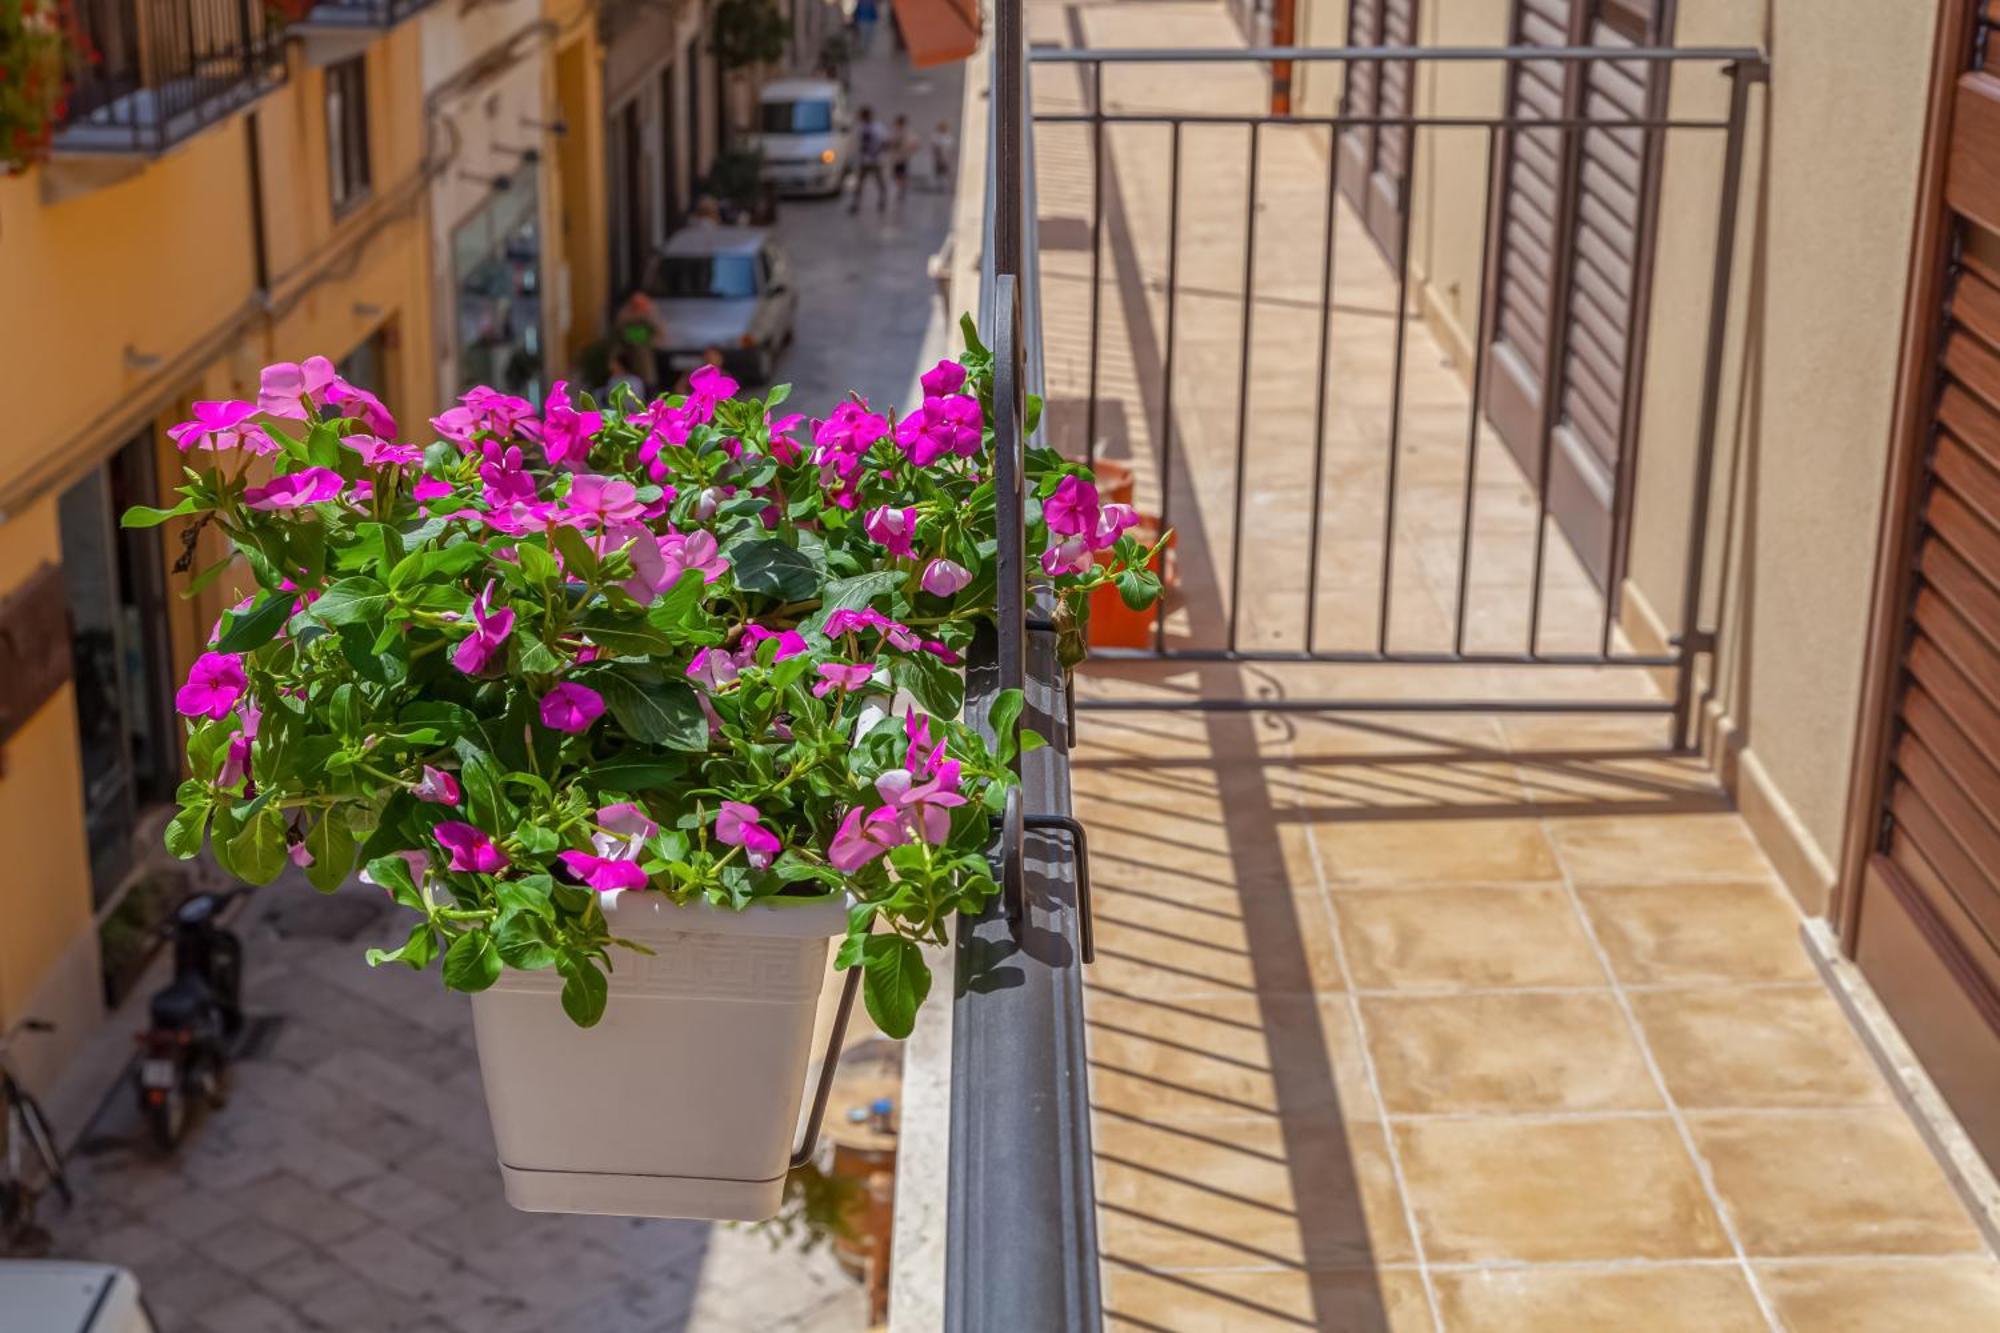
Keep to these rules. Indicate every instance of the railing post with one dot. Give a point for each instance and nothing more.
(1692, 641)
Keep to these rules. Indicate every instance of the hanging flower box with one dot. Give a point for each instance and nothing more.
(37, 38)
(596, 692)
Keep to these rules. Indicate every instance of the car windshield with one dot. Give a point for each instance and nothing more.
(797, 117)
(722, 277)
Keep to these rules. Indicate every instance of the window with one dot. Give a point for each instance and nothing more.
(815, 117)
(722, 277)
(347, 132)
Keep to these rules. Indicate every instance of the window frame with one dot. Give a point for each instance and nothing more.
(349, 164)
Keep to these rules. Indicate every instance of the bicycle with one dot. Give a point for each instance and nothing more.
(25, 1133)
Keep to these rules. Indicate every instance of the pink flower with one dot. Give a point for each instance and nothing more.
(594, 501)
(604, 874)
(896, 633)
(712, 668)
(428, 489)
(309, 486)
(707, 387)
(943, 378)
(841, 676)
(783, 447)
(921, 757)
(215, 682)
(790, 644)
(863, 837)
(1072, 508)
(1071, 555)
(360, 405)
(471, 850)
(437, 787)
(696, 550)
(1112, 521)
(922, 806)
(300, 856)
(236, 760)
(642, 548)
(378, 452)
(892, 529)
(483, 410)
(566, 433)
(948, 424)
(218, 426)
(945, 578)
(624, 828)
(490, 629)
(287, 388)
(571, 707)
(736, 826)
(507, 482)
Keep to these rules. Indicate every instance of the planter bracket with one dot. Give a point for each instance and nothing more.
(823, 1090)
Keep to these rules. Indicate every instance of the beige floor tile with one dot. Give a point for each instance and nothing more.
(1491, 1190)
(1870, 1296)
(1330, 790)
(1595, 785)
(1168, 938)
(1530, 735)
(1221, 1301)
(1686, 934)
(1832, 1182)
(1356, 849)
(1706, 1298)
(1224, 1057)
(1635, 848)
(1308, 1192)
(1457, 938)
(1524, 1052)
(1761, 1046)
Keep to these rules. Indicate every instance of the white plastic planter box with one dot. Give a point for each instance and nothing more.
(684, 1099)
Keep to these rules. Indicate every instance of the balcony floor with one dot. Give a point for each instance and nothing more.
(1403, 1021)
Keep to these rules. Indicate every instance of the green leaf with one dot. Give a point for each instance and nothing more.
(770, 566)
(485, 804)
(417, 951)
(1004, 718)
(635, 776)
(350, 601)
(625, 635)
(245, 631)
(939, 688)
(145, 516)
(584, 991)
(331, 843)
(521, 944)
(851, 594)
(185, 830)
(1138, 588)
(393, 874)
(655, 712)
(448, 562)
(472, 963)
(578, 559)
(257, 851)
(680, 614)
(894, 981)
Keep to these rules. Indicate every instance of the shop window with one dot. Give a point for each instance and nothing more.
(347, 132)
(497, 270)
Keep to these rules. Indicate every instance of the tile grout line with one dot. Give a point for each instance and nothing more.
(1701, 1165)
(1946, 1258)
(1359, 1027)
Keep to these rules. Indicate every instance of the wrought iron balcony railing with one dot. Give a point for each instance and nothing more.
(362, 15)
(152, 73)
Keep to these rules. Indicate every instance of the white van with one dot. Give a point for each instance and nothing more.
(55, 1296)
(805, 130)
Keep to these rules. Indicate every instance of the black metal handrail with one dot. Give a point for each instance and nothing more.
(364, 14)
(150, 73)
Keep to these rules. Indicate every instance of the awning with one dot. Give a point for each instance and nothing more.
(938, 31)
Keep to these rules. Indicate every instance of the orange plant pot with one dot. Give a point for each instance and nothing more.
(1116, 625)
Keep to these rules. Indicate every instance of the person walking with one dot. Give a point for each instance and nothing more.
(865, 14)
(942, 145)
(869, 152)
(902, 150)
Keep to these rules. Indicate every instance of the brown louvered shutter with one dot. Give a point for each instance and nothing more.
(1576, 218)
(1375, 160)
(1924, 923)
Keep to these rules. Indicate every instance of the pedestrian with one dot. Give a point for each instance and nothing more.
(941, 156)
(865, 14)
(869, 152)
(902, 148)
(625, 372)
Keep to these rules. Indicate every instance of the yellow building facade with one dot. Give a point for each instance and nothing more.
(183, 233)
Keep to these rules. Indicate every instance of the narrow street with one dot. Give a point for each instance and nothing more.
(349, 1183)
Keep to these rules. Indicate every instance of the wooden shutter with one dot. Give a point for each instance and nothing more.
(1375, 160)
(1921, 914)
(1576, 225)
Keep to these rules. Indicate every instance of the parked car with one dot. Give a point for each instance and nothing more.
(55, 1296)
(723, 287)
(805, 130)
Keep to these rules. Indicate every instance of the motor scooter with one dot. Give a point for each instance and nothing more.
(196, 1017)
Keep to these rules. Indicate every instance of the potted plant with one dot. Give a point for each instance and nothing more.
(36, 39)
(634, 706)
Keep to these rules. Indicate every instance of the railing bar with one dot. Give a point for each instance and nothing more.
(1384, 593)
(1414, 54)
(1167, 373)
(1096, 254)
(1482, 335)
(1206, 704)
(1364, 656)
(1320, 389)
(1243, 394)
(1419, 122)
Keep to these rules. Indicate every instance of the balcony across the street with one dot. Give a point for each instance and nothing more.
(152, 73)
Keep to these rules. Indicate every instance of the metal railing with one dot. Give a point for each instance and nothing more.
(364, 14)
(151, 73)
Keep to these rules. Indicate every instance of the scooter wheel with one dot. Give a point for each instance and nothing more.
(167, 1117)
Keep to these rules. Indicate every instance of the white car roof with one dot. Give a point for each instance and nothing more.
(798, 90)
(52, 1296)
(715, 240)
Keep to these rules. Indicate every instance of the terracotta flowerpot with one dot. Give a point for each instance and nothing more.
(1116, 625)
(684, 1099)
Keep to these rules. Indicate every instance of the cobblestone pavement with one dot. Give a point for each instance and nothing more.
(349, 1184)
